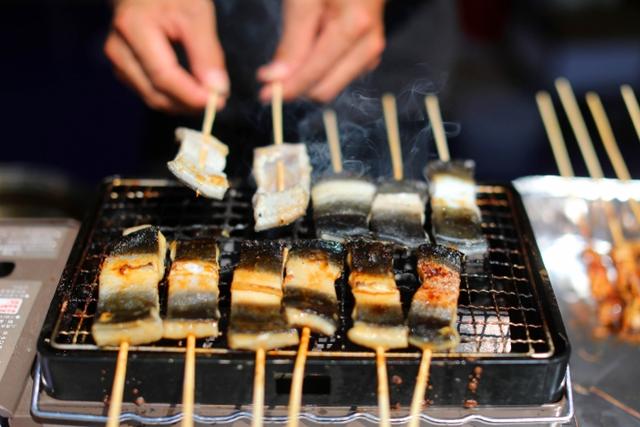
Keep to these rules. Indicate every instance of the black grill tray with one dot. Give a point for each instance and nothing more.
(514, 348)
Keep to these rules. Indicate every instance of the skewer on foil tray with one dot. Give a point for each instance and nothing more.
(628, 280)
(455, 216)
(201, 160)
(310, 302)
(609, 306)
(397, 212)
(128, 311)
(433, 312)
(378, 320)
(341, 203)
(192, 305)
(283, 175)
(257, 321)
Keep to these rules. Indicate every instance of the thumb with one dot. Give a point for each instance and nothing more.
(206, 57)
(301, 21)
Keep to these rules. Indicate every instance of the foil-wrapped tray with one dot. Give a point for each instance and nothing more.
(605, 371)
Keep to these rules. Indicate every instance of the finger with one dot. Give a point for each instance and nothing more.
(199, 36)
(364, 56)
(129, 70)
(337, 38)
(152, 49)
(301, 21)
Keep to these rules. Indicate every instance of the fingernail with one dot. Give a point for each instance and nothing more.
(218, 80)
(273, 71)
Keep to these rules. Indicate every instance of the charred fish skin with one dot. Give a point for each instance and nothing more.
(128, 301)
(433, 312)
(309, 288)
(455, 217)
(378, 319)
(257, 317)
(192, 306)
(341, 207)
(397, 213)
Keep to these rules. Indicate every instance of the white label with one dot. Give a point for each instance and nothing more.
(31, 241)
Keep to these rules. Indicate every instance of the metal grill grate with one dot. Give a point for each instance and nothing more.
(498, 313)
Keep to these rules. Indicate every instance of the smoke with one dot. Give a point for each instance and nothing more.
(363, 138)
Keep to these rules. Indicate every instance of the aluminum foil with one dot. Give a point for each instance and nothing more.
(606, 372)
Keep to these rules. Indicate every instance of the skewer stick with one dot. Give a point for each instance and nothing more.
(610, 144)
(331, 127)
(576, 120)
(393, 134)
(383, 387)
(588, 153)
(552, 127)
(631, 102)
(258, 388)
(117, 390)
(421, 387)
(188, 384)
(295, 397)
(278, 138)
(435, 117)
(207, 125)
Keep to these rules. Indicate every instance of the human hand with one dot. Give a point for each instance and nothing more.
(139, 46)
(325, 45)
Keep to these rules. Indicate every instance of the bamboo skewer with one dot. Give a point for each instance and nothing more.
(117, 390)
(333, 138)
(610, 145)
(383, 388)
(588, 152)
(435, 117)
(631, 102)
(421, 387)
(295, 398)
(188, 384)
(258, 388)
(207, 125)
(393, 134)
(570, 105)
(278, 138)
(554, 134)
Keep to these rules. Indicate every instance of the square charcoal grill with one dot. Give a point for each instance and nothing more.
(513, 350)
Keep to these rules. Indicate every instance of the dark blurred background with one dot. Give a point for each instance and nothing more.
(67, 122)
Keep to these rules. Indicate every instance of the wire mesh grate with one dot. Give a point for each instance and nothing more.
(498, 311)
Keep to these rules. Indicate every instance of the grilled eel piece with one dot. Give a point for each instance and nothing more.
(433, 312)
(341, 207)
(378, 320)
(455, 216)
(208, 179)
(128, 305)
(274, 207)
(397, 213)
(309, 285)
(192, 306)
(257, 319)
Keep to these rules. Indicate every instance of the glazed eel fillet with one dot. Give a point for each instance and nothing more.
(341, 207)
(128, 305)
(397, 213)
(378, 320)
(274, 207)
(257, 319)
(309, 285)
(433, 312)
(455, 215)
(209, 178)
(192, 306)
